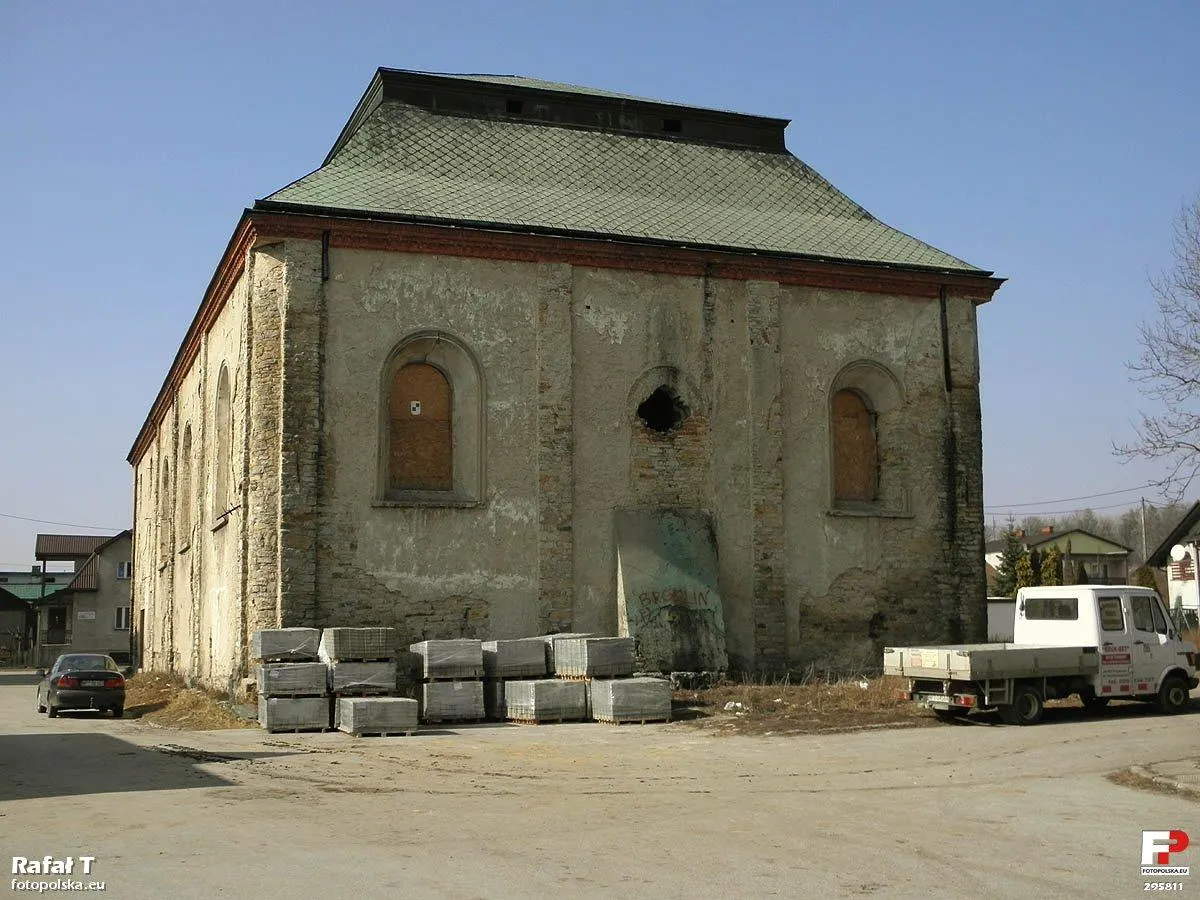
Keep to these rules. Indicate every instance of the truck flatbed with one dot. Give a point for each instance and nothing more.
(980, 662)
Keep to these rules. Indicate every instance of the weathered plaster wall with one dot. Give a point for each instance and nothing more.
(435, 571)
(188, 585)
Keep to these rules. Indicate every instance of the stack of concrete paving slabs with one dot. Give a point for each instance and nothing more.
(452, 701)
(460, 658)
(545, 700)
(297, 679)
(552, 639)
(604, 657)
(293, 713)
(376, 715)
(358, 644)
(617, 700)
(286, 644)
(362, 679)
(523, 658)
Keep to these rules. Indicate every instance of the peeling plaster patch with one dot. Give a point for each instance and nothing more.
(611, 323)
(523, 512)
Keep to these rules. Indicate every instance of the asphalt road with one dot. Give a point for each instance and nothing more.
(589, 811)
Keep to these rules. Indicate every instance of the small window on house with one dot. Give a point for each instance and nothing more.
(122, 622)
(855, 449)
(124, 570)
(421, 441)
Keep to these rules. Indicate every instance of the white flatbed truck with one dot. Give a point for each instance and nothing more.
(1097, 642)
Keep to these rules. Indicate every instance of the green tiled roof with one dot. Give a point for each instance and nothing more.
(32, 591)
(403, 161)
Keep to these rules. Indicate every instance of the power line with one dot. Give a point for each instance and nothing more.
(1140, 487)
(63, 524)
(1067, 512)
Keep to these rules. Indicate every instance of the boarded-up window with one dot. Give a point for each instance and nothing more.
(420, 445)
(855, 450)
(224, 439)
(184, 474)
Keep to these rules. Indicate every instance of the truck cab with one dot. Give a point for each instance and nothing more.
(1138, 644)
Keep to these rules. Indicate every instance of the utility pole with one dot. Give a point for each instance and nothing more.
(1144, 554)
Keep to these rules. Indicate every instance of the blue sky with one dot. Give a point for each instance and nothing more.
(1051, 142)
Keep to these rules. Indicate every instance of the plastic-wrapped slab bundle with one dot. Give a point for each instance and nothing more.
(376, 715)
(452, 701)
(460, 658)
(362, 677)
(493, 699)
(306, 679)
(285, 644)
(293, 713)
(521, 658)
(605, 657)
(631, 700)
(552, 639)
(545, 700)
(358, 644)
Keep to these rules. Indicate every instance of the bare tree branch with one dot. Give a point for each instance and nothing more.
(1167, 370)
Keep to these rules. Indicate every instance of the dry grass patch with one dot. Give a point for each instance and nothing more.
(814, 707)
(166, 700)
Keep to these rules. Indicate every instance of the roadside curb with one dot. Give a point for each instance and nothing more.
(1182, 775)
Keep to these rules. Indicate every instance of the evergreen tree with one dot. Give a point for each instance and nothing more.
(1006, 572)
(1052, 566)
(1024, 570)
(1081, 575)
(1144, 577)
(1035, 567)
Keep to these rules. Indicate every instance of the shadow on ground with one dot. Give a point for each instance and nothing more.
(66, 765)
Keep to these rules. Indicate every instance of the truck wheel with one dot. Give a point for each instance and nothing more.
(1173, 695)
(1026, 708)
(1092, 703)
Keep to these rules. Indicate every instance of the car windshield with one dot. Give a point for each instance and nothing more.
(80, 661)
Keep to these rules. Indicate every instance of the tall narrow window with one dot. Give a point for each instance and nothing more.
(184, 471)
(165, 514)
(223, 423)
(855, 449)
(420, 439)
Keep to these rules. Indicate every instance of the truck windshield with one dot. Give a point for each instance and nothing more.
(1052, 608)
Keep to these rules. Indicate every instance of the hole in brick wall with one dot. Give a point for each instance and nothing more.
(663, 411)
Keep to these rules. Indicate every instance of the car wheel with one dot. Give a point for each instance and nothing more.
(40, 706)
(118, 711)
(1173, 695)
(52, 712)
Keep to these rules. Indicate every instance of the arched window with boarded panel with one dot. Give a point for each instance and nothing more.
(222, 459)
(184, 472)
(868, 470)
(421, 442)
(855, 449)
(431, 446)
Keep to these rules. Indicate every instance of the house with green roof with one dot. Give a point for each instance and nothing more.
(429, 378)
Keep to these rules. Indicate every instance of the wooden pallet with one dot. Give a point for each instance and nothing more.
(360, 659)
(633, 721)
(407, 733)
(591, 677)
(425, 721)
(274, 694)
(442, 679)
(312, 730)
(516, 720)
(353, 693)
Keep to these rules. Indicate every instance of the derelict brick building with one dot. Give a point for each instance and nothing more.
(428, 379)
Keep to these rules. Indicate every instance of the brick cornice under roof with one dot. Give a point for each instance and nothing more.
(373, 233)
